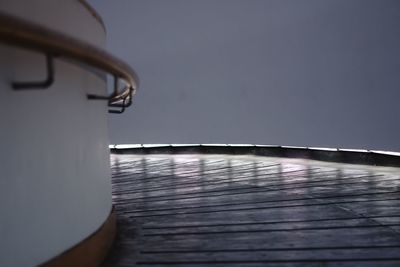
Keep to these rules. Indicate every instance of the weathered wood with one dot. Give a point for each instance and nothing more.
(253, 211)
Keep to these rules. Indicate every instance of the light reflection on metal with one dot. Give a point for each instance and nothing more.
(386, 152)
(155, 145)
(179, 145)
(126, 146)
(214, 144)
(122, 146)
(323, 148)
(354, 150)
(299, 147)
(241, 145)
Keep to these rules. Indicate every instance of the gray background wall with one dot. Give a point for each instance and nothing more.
(288, 72)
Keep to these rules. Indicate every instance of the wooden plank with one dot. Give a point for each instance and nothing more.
(226, 211)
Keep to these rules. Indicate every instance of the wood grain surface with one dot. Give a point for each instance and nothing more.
(219, 210)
